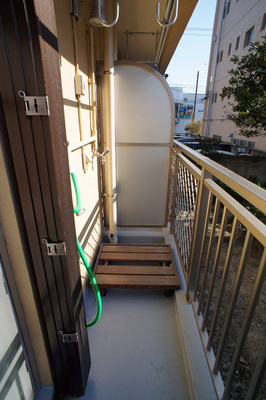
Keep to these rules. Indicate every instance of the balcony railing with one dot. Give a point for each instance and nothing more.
(222, 249)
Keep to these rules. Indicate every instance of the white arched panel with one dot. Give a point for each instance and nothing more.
(144, 110)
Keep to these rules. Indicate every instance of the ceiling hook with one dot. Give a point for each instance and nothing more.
(102, 21)
(167, 24)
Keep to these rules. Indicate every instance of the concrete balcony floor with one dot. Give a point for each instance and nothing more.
(136, 350)
(145, 345)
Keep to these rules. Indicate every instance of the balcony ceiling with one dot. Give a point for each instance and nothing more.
(138, 30)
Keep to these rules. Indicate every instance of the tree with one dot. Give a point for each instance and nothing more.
(247, 86)
(194, 127)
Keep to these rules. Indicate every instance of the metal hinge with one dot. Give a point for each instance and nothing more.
(55, 249)
(35, 105)
(69, 337)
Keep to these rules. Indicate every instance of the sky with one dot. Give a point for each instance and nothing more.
(193, 51)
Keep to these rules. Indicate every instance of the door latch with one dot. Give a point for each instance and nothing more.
(69, 337)
(55, 249)
(35, 105)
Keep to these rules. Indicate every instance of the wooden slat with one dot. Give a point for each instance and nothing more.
(143, 266)
(135, 257)
(135, 281)
(134, 270)
(123, 248)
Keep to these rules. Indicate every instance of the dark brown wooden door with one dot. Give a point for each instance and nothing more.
(30, 63)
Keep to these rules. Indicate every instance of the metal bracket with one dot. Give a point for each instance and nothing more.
(113, 196)
(55, 249)
(102, 155)
(35, 105)
(69, 337)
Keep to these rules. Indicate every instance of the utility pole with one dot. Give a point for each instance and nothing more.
(195, 100)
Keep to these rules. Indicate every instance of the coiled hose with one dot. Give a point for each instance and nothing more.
(84, 259)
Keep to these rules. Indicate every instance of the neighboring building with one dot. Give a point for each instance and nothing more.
(184, 108)
(236, 25)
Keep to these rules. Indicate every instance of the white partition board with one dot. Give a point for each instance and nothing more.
(144, 110)
(142, 193)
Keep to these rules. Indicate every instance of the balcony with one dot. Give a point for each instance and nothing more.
(208, 340)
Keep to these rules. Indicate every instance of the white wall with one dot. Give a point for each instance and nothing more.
(89, 224)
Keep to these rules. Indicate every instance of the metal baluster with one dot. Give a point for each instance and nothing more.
(246, 324)
(230, 311)
(223, 280)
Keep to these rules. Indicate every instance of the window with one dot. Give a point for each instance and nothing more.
(228, 7)
(217, 137)
(224, 12)
(15, 379)
(221, 55)
(237, 42)
(229, 49)
(263, 25)
(249, 36)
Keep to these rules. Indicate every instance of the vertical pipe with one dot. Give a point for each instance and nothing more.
(78, 96)
(92, 85)
(109, 127)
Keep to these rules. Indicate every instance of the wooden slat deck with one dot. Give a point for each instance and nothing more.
(136, 266)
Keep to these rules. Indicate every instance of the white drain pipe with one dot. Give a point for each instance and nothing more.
(109, 128)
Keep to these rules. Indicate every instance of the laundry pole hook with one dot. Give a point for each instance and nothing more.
(101, 19)
(167, 24)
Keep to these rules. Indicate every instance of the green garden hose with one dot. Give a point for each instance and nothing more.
(94, 285)
(74, 180)
(84, 259)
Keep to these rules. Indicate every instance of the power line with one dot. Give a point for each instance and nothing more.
(198, 29)
(196, 34)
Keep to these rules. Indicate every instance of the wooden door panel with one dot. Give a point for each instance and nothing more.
(30, 62)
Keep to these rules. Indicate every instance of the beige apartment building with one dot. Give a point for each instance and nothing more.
(237, 23)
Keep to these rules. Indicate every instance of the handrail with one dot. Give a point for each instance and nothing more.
(241, 185)
(208, 225)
